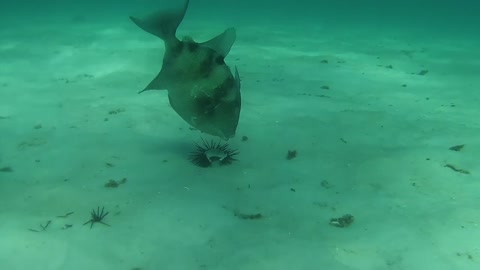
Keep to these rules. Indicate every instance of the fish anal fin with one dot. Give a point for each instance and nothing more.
(159, 83)
(223, 42)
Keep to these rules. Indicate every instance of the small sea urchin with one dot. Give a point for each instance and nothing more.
(213, 153)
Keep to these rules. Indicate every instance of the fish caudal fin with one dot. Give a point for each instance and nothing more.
(163, 24)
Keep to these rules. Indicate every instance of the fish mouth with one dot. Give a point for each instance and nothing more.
(222, 135)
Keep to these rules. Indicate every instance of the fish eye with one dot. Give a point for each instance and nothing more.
(219, 60)
(192, 46)
(178, 48)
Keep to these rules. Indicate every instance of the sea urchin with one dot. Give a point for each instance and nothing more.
(213, 153)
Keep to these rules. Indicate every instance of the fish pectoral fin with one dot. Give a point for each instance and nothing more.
(233, 95)
(237, 80)
(223, 42)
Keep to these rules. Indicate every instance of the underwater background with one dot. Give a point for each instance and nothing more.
(358, 139)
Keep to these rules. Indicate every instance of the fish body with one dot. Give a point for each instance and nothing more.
(201, 87)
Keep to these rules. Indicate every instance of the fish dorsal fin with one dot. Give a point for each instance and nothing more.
(223, 42)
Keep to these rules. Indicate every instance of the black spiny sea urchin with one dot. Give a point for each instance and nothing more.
(213, 153)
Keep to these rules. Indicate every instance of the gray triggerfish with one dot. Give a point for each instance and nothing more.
(201, 87)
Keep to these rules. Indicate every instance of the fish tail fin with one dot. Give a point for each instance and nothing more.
(163, 24)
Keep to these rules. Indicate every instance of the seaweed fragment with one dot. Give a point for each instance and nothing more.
(457, 147)
(291, 154)
(44, 227)
(114, 183)
(343, 221)
(454, 168)
(422, 72)
(67, 226)
(66, 215)
(248, 216)
(6, 169)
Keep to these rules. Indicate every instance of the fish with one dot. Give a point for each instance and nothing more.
(201, 87)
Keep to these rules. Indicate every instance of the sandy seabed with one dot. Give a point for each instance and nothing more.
(371, 114)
